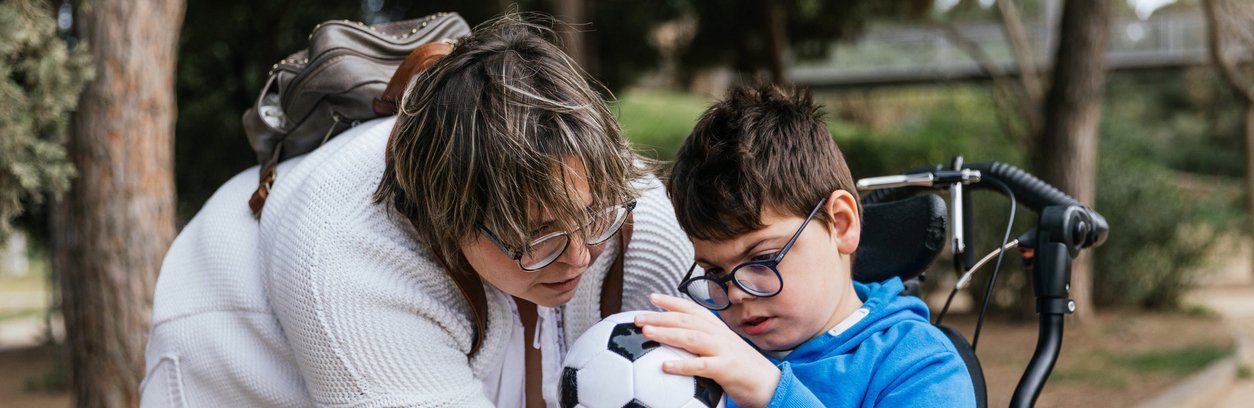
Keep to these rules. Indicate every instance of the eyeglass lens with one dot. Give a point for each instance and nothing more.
(545, 251)
(757, 280)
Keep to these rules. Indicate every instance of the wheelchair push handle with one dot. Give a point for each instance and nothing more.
(1065, 226)
(1031, 191)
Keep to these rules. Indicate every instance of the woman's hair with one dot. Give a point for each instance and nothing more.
(483, 133)
(765, 146)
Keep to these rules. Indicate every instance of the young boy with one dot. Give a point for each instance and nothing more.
(770, 206)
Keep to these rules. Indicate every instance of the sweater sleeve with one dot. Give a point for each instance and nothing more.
(791, 393)
(371, 320)
(659, 253)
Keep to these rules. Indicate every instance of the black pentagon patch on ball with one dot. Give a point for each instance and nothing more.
(634, 404)
(569, 390)
(628, 341)
(708, 392)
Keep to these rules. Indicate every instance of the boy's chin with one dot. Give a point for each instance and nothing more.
(773, 342)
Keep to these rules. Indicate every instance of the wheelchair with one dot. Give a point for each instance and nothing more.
(904, 231)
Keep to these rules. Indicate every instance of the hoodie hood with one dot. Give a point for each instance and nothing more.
(885, 308)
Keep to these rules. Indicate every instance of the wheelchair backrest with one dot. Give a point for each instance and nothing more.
(900, 238)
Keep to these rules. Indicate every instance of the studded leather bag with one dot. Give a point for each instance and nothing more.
(350, 73)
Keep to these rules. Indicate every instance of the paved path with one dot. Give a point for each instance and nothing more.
(1230, 292)
(22, 332)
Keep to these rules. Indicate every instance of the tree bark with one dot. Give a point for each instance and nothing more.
(1066, 154)
(1027, 64)
(777, 40)
(575, 13)
(117, 221)
(1240, 84)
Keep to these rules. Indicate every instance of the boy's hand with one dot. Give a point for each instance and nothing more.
(745, 375)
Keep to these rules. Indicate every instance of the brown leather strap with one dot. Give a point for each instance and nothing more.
(258, 200)
(418, 60)
(533, 382)
(612, 286)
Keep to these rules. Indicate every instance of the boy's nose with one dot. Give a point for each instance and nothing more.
(735, 295)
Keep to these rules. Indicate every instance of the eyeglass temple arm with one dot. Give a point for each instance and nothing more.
(514, 255)
(780, 257)
(689, 274)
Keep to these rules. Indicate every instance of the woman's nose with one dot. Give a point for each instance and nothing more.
(576, 255)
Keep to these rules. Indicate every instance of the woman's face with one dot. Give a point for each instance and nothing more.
(552, 285)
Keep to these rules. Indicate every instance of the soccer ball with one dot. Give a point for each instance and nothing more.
(612, 365)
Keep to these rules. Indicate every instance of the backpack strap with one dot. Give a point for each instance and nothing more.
(421, 58)
(471, 286)
(612, 286)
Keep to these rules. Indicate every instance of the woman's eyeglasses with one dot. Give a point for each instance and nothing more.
(542, 251)
(757, 278)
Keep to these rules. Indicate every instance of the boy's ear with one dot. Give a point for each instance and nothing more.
(843, 221)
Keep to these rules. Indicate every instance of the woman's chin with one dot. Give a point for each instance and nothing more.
(553, 294)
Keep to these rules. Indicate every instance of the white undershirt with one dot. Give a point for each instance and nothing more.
(506, 385)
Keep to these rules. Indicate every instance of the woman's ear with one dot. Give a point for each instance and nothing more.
(843, 220)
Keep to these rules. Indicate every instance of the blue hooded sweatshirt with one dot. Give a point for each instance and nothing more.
(893, 357)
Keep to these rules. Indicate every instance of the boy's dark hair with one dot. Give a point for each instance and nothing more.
(763, 146)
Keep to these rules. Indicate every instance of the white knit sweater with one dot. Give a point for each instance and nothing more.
(331, 300)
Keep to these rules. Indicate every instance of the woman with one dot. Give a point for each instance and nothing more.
(506, 176)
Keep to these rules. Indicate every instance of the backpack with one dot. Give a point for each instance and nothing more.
(350, 73)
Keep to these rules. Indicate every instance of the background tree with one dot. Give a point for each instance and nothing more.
(1060, 133)
(1227, 25)
(40, 81)
(115, 224)
(755, 37)
(1066, 149)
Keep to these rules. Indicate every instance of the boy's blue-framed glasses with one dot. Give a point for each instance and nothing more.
(757, 278)
(542, 251)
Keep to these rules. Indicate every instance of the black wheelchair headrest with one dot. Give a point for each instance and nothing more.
(899, 238)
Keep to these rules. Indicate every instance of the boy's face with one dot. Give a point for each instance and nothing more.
(817, 288)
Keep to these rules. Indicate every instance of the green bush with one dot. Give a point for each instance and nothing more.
(39, 85)
(1161, 231)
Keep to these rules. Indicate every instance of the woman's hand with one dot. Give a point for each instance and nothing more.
(745, 375)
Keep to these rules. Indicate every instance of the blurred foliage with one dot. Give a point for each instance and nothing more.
(734, 32)
(40, 81)
(1165, 210)
(221, 70)
(1153, 190)
(658, 121)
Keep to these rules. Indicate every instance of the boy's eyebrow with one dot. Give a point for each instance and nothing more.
(749, 249)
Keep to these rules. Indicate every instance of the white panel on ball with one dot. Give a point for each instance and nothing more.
(605, 381)
(657, 389)
(591, 343)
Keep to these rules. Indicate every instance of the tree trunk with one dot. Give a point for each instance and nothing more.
(1249, 157)
(776, 41)
(1026, 59)
(1240, 84)
(1066, 154)
(574, 12)
(117, 221)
